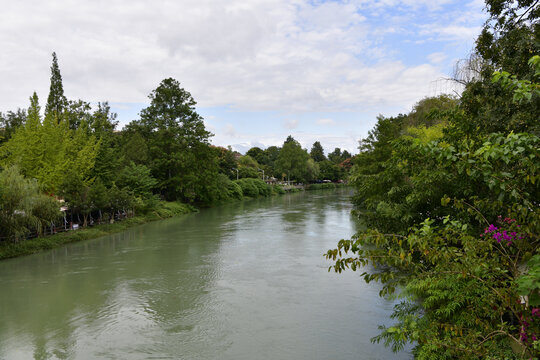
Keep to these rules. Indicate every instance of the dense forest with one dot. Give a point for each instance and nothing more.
(449, 194)
(76, 159)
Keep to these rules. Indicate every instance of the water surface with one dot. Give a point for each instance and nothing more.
(240, 281)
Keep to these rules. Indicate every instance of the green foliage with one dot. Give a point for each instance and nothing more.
(227, 161)
(329, 171)
(23, 208)
(258, 155)
(160, 211)
(452, 218)
(248, 167)
(312, 170)
(234, 190)
(248, 172)
(529, 283)
(249, 189)
(9, 122)
(46, 150)
(177, 141)
(292, 160)
(56, 102)
(427, 112)
(317, 152)
(425, 134)
(254, 187)
(524, 90)
(138, 179)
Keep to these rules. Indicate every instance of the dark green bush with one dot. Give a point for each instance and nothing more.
(248, 187)
(234, 190)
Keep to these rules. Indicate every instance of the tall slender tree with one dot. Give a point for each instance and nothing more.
(56, 102)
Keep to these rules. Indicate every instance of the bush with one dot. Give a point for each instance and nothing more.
(248, 187)
(263, 188)
(278, 189)
(234, 190)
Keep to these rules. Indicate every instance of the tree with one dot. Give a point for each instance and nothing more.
(46, 150)
(509, 38)
(427, 111)
(248, 167)
(173, 131)
(77, 113)
(258, 155)
(335, 156)
(137, 179)
(102, 124)
(56, 102)
(329, 171)
(292, 160)
(23, 207)
(458, 266)
(452, 219)
(317, 152)
(10, 122)
(272, 153)
(312, 170)
(134, 148)
(227, 161)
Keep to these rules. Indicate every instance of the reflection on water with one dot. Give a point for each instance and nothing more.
(239, 281)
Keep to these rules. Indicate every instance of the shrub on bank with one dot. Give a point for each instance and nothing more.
(248, 187)
(234, 190)
(263, 188)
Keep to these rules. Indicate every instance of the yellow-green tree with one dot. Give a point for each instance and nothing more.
(46, 149)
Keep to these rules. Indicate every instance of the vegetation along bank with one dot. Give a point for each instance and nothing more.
(70, 167)
(450, 196)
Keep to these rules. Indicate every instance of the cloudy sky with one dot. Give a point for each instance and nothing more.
(258, 69)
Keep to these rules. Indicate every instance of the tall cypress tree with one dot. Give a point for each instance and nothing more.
(56, 102)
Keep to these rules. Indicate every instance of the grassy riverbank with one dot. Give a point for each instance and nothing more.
(30, 246)
(246, 190)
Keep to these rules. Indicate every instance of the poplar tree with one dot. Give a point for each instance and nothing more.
(56, 102)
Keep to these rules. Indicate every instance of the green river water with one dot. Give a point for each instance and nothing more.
(241, 281)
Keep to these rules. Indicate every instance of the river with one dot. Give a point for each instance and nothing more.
(246, 280)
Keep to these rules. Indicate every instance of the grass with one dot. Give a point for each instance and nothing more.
(31, 246)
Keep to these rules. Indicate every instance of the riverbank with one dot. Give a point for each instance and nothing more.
(31, 246)
(165, 210)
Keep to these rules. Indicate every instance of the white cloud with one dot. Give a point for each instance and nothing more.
(291, 123)
(262, 54)
(229, 130)
(452, 32)
(328, 122)
(437, 57)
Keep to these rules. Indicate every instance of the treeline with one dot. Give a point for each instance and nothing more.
(450, 196)
(75, 156)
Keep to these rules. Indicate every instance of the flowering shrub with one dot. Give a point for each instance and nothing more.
(500, 234)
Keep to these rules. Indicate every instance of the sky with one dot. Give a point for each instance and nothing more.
(260, 70)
